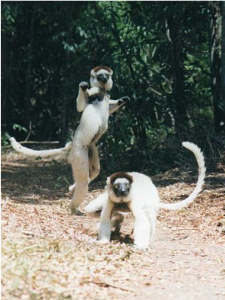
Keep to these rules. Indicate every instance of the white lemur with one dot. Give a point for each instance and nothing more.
(135, 192)
(96, 105)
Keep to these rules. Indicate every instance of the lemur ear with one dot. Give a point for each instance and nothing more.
(108, 181)
(110, 72)
(93, 72)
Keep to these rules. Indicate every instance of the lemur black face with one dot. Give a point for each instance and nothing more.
(103, 78)
(121, 184)
(121, 189)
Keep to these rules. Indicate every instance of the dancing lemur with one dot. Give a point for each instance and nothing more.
(96, 106)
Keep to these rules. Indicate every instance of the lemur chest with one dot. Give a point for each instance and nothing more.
(122, 207)
(100, 116)
(102, 113)
(94, 121)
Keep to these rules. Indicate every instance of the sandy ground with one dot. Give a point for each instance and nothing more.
(47, 253)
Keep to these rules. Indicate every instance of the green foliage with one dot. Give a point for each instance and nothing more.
(159, 52)
(5, 138)
(19, 127)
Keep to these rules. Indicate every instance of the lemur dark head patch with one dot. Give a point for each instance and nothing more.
(96, 69)
(116, 175)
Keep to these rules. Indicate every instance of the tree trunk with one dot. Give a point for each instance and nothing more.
(63, 126)
(28, 71)
(4, 76)
(173, 25)
(222, 79)
(217, 84)
(4, 70)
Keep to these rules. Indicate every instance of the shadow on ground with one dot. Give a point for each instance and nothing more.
(27, 181)
(30, 181)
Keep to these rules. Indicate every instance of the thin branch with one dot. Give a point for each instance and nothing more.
(105, 284)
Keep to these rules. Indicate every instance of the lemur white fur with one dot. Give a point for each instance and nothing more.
(93, 124)
(96, 106)
(141, 199)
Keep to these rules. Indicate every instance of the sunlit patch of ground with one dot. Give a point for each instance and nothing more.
(47, 253)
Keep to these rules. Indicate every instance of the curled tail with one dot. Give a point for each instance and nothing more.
(39, 153)
(201, 176)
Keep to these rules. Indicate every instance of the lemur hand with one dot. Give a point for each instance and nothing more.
(124, 100)
(84, 85)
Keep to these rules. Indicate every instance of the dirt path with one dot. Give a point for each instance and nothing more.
(49, 254)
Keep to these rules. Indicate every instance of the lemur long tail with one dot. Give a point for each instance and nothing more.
(201, 176)
(39, 153)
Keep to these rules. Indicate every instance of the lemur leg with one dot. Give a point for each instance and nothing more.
(94, 165)
(152, 216)
(116, 221)
(72, 187)
(104, 231)
(142, 227)
(80, 168)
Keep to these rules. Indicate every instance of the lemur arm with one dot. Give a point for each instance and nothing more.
(82, 98)
(114, 105)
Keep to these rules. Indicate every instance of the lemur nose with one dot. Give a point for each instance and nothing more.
(103, 78)
(122, 193)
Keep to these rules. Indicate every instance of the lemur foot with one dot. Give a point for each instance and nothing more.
(75, 211)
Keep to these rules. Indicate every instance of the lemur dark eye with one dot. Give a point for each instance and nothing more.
(127, 185)
(116, 186)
